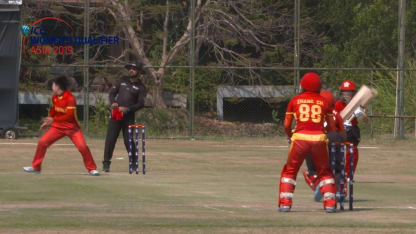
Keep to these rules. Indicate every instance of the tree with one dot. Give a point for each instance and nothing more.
(360, 34)
(168, 51)
(229, 32)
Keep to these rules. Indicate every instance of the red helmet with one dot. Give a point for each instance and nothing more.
(311, 82)
(347, 85)
(328, 96)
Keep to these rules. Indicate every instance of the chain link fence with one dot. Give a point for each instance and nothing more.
(253, 110)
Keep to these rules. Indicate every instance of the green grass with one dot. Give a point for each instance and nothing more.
(223, 186)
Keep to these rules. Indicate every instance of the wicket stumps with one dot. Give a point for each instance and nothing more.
(351, 179)
(134, 141)
(342, 176)
(337, 154)
(337, 162)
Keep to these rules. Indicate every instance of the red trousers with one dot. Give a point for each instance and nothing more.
(347, 163)
(54, 134)
(302, 145)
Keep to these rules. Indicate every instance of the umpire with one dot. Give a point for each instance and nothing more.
(128, 95)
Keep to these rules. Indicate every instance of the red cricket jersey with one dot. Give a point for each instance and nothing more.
(339, 124)
(339, 106)
(63, 111)
(310, 110)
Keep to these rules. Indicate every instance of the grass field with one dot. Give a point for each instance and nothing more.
(219, 186)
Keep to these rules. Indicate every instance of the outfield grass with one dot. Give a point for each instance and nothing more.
(197, 187)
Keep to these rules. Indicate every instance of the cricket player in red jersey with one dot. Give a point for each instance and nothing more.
(348, 91)
(337, 136)
(63, 120)
(310, 111)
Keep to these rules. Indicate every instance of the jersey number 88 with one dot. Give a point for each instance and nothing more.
(310, 112)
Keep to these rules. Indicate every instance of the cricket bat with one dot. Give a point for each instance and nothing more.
(361, 99)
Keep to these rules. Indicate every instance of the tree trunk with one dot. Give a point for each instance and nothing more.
(168, 53)
(157, 96)
(152, 74)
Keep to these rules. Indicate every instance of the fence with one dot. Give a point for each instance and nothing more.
(190, 90)
(260, 115)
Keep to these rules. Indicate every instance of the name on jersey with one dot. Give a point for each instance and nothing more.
(310, 101)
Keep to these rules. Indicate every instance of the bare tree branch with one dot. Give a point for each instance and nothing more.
(185, 37)
(165, 33)
(134, 39)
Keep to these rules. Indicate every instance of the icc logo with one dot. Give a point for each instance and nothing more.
(33, 31)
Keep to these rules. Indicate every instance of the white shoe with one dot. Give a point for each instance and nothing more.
(330, 210)
(30, 170)
(284, 209)
(94, 173)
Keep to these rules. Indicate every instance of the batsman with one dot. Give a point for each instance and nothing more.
(348, 91)
(310, 110)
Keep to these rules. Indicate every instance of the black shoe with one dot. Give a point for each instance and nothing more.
(106, 166)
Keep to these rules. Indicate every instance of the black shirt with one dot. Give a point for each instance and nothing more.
(128, 94)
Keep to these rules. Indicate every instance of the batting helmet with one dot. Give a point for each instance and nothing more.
(347, 85)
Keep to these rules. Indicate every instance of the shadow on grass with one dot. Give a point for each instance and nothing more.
(359, 209)
(338, 210)
(362, 200)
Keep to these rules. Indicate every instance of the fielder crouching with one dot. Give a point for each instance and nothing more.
(64, 122)
(310, 110)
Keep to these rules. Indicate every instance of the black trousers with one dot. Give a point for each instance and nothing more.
(113, 131)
